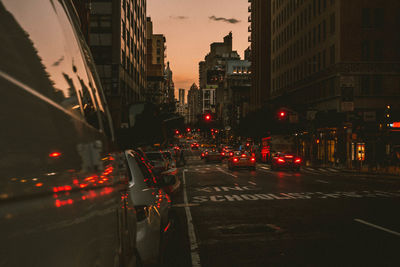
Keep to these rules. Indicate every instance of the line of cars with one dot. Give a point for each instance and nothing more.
(68, 195)
(245, 159)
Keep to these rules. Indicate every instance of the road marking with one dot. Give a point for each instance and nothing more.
(265, 168)
(322, 181)
(378, 227)
(333, 170)
(253, 183)
(183, 205)
(194, 247)
(221, 170)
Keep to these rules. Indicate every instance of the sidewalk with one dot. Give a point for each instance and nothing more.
(388, 170)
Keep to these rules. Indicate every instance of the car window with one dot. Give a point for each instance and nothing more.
(154, 156)
(53, 62)
(141, 171)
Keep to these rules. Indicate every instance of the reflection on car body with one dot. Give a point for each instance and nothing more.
(60, 177)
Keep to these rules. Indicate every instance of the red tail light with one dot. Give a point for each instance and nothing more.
(206, 153)
(298, 160)
(243, 155)
(235, 159)
(281, 160)
(289, 156)
(253, 159)
(231, 154)
(54, 155)
(202, 154)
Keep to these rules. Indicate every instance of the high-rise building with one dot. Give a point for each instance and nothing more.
(212, 73)
(337, 64)
(236, 85)
(181, 96)
(260, 38)
(157, 91)
(117, 41)
(194, 104)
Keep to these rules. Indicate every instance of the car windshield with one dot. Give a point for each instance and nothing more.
(157, 156)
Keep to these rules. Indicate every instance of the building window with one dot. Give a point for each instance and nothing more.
(332, 53)
(378, 51)
(319, 61)
(378, 85)
(365, 85)
(379, 17)
(319, 33)
(366, 18)
(333, 23)
(365, 50)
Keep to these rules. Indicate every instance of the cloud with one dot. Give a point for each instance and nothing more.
(178, 17)
(232, 20)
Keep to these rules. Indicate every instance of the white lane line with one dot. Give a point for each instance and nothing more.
(253, 183)
(333, 170)
(265, 168)
(322, 181)
(194, 247)
(221, 170)
(378, 227)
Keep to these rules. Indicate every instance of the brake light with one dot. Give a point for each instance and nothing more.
(54, 155)
(298, 160)
(289, 156)
(253, 159)
(243, 155)
(202, 154)
(206, 153)
(281, 160)
(235, 159)
(231, 154)
(223, 153)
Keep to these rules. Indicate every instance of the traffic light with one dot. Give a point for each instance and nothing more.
(188, 129)
(207, 117)
(176, 132)
(282, 115)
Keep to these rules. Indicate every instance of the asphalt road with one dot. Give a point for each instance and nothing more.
(315, 217)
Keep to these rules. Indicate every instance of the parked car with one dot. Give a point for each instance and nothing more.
(285, 161)
(64, 195)
(242, 159)
(213, 155)
(152, 205)
(168, 156)
(159, 174)
(158, 161)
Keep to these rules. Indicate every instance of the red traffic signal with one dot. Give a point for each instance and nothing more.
(207, 117)
(188, 129)
(176, 132)
(282, 114)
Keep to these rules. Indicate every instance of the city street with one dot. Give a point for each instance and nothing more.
(315, 217)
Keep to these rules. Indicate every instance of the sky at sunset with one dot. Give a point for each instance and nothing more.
(190, 26)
